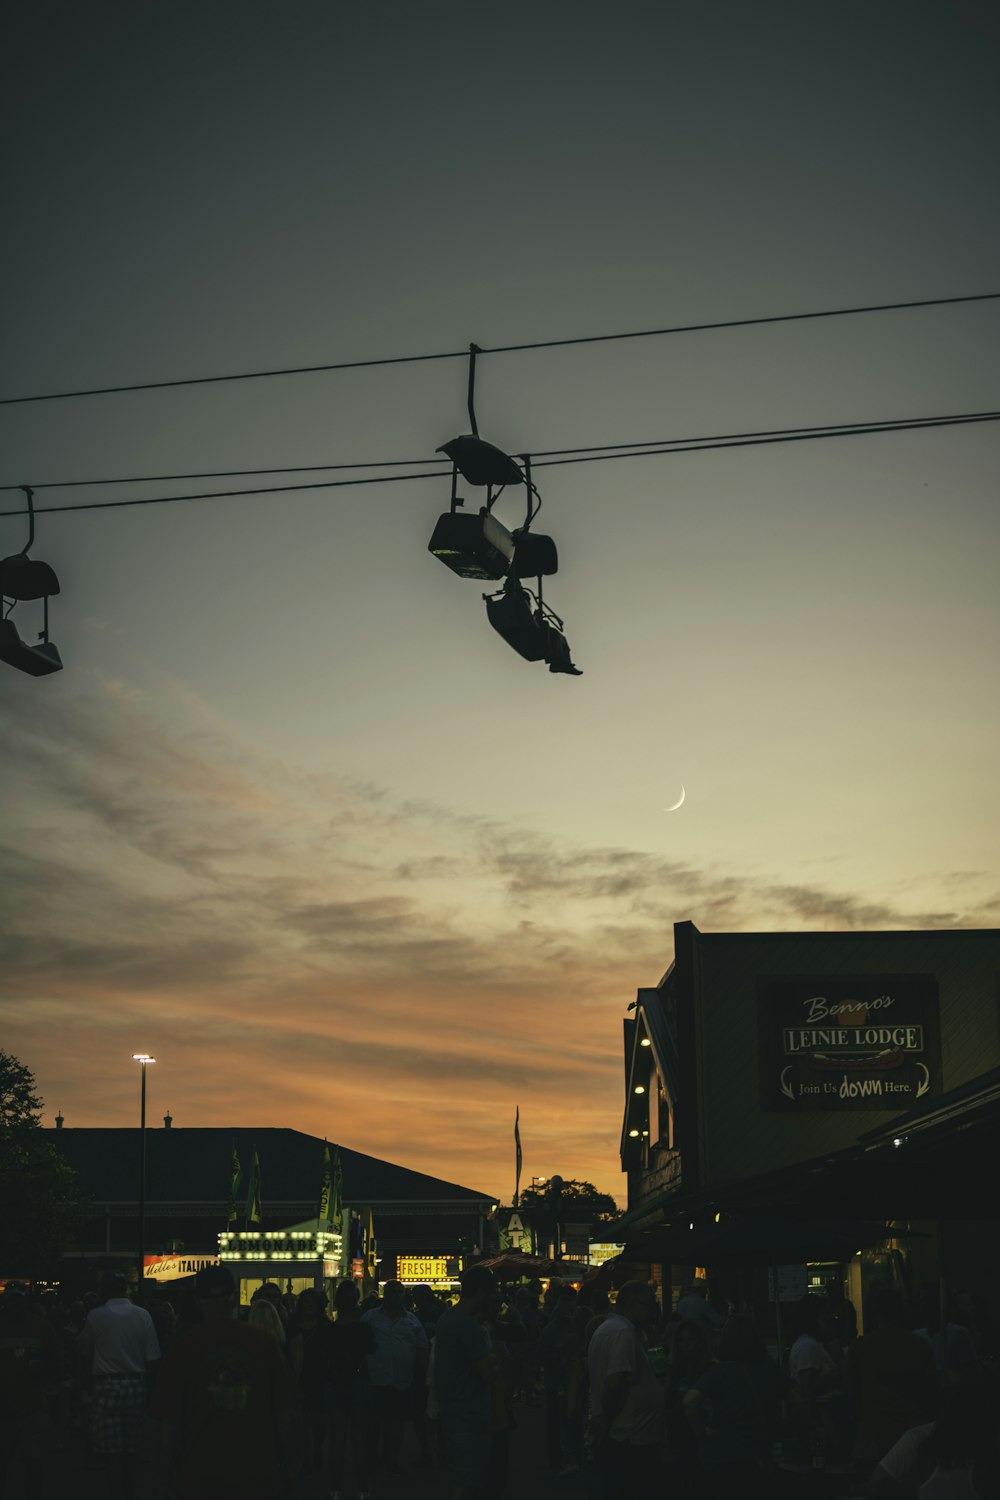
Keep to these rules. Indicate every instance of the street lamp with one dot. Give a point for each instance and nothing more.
(142, 1058)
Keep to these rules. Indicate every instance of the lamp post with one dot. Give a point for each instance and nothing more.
(142, 1058)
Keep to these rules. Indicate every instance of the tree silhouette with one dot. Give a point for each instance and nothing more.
(41, 1198)
(578, 1201)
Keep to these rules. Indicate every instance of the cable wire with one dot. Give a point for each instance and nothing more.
(72, 484)
(404, 359)
(395, 463)
(583, 456)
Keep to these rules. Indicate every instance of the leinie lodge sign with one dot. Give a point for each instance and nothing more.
(841, 1042)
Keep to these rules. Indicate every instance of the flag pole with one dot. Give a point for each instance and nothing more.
(517, 1156)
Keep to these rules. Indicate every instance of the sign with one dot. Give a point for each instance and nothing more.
(848, 1043)
(422, 1268)
(173, 1267)
(602, 1250)
(515, 1233)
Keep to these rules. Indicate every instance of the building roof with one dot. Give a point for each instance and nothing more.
(651, 1021)
(194, 1166)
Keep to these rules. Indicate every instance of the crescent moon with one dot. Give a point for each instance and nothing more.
(675, 805)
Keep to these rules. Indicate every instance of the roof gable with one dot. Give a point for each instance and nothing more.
(194, 1165)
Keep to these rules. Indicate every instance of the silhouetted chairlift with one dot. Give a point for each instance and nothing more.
(480, 546)
(23, 579)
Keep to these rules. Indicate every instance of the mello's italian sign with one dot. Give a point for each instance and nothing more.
(866, 1042)
(173, 1267)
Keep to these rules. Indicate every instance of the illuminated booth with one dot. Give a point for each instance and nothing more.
(302, 1256)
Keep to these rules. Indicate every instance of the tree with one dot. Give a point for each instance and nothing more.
(20, 1106)
(41, 1198)
(577, 1201)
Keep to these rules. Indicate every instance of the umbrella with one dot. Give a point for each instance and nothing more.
(514, 1263)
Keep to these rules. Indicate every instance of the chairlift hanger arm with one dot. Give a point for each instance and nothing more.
(474, 349)
(30, 496)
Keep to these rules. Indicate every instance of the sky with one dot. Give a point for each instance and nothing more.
(294, 819)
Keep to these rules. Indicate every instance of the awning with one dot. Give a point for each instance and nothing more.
(761, 1240)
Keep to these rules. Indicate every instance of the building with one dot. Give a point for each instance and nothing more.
(417, 1221)
(814, 1076)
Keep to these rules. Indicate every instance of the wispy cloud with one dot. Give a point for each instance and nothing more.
(306, 950)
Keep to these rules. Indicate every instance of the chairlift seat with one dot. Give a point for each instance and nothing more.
(23, 578)
(535, 555)
(511, 616)
(37, 661)
(480, 462)
(476, 546)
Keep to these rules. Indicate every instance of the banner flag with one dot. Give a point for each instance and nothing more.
(517, 1155)
(338, 1190)
(325, 1187)
(371, 1257)
(253, 1194)
(235, 1180)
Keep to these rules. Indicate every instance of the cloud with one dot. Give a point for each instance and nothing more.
(307, 950)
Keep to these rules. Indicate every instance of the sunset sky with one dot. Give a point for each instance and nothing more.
(294, 819)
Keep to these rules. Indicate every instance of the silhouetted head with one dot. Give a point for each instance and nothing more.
(565, 1303)
(264, 1315)
(346, 1299)
(394, 1298)
(690, 1344)
(215, 1290)
(311, 1306)
(478, 1283)
(113, 1284)
(637, 1302)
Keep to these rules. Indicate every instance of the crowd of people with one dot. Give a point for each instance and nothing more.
(218, 1400)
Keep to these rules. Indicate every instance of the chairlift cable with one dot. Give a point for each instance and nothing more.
(403, 359)
(537, 454)
(583, 457)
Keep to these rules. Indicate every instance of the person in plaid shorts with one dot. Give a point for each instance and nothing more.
(118, 1344)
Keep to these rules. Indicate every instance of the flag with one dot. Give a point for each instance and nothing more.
(235, 1179)
(371, 1259)
(325, 1187)
(337, 1209)
(253, 1194)
(517, 1154)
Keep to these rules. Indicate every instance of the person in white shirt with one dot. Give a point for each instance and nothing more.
(627, 1402)
(811, 1366)
(397, 1370)
(118, 1344)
